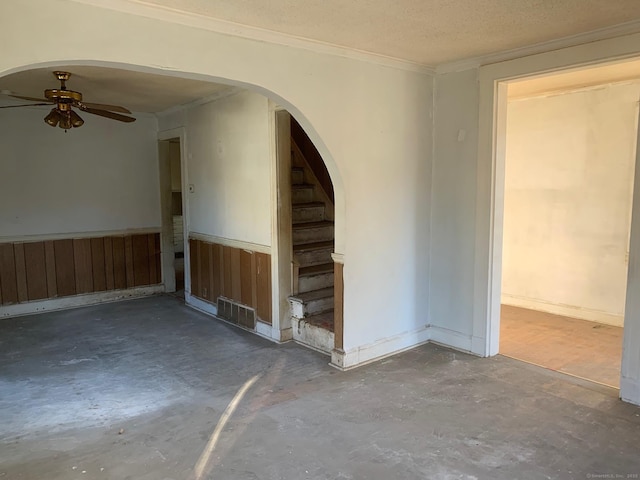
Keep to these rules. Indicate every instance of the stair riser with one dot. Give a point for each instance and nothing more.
(313, 336)
(318, 306)
(315, 282)
(302, 195)
(297, 177)
(312, 307)
(314, 257)
(311, 235)
(308, 214)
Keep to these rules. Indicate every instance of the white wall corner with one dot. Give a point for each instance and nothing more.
(452, 339)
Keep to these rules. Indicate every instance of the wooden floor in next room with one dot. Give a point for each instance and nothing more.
(577, 347)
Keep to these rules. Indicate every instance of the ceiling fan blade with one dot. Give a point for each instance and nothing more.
(102, 106)
(26, 105)
(111, 115)
(32, 99)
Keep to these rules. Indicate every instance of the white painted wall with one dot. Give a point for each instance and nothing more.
(452, 208)
(228, 163)
(570, 161)
(102, 176)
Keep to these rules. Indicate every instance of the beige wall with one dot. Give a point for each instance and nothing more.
(82, 181)
(228, 164)
(569, 176)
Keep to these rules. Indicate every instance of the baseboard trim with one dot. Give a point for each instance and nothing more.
(262, 329)
(201, 305)
(76, 301)
(345, 360)
(630, 390)
(564, 310)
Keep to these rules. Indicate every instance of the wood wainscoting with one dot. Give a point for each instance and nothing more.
(39, 270)
(243, 276)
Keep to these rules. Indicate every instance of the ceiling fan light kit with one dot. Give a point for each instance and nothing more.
(63, 115)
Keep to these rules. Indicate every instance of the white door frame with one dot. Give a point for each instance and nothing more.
(166, 237)
(630, 371)
(281, 236)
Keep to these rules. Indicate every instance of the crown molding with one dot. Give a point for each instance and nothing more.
(619, 30)
(162, 13)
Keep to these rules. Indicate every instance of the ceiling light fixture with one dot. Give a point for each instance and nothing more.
(64, 119)
(53, 118)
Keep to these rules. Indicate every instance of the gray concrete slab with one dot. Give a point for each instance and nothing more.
(134, 390)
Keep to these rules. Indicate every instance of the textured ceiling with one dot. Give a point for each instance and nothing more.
(428, 32)
(139, 92)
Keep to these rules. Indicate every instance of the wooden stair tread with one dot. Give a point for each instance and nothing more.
(307, 205)
(321, 320)
(307, 247)
(313, 295)
(316, 269)
(305, 225)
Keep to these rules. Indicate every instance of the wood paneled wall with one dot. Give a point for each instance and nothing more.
(61, 268)
(338, 305)
(234, 273)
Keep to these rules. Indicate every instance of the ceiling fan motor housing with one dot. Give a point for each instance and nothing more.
(63, 97)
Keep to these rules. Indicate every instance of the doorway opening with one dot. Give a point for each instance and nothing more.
(569, 166)
(173, 224)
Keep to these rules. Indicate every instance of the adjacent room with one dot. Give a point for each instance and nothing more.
(570, 163)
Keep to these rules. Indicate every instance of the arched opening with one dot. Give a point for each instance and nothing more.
(314, 300)
(229, 194)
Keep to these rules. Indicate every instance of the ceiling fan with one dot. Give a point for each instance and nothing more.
(62, 114)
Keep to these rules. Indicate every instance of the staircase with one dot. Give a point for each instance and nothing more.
(313, 231)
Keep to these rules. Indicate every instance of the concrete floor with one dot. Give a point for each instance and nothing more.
(134, 390)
